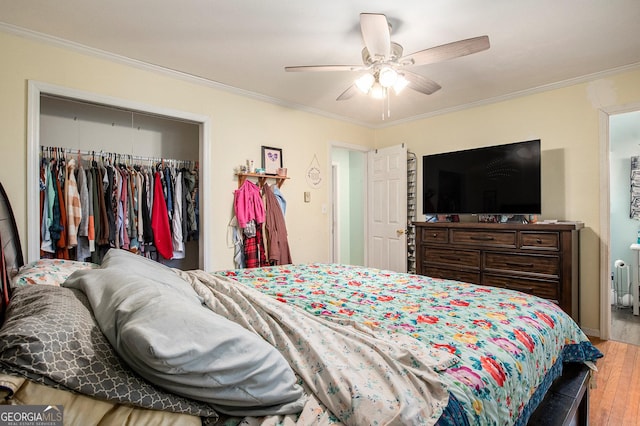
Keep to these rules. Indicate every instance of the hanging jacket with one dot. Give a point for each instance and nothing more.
(82, 250)
(47, 245)
(277, 244)
(281, 199)
(248, 204)
(177, 220)
(72, 206)
(62, 251)
(160, 221)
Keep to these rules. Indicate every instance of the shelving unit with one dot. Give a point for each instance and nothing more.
(412, 174)
(262, 178)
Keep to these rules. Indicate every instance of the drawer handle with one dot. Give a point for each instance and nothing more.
(522, 265)
(451, 258)
(539, 241)
(434, 235)
(483, 238)
(524, 290)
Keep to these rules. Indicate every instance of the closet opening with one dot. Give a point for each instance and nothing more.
(92, 129)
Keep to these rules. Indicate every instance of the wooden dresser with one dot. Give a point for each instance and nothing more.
(540, 259)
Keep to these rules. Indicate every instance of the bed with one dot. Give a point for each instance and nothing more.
(128, 342)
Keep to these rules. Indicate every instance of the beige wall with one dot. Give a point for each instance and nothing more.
(565, 119)
(239, 127)
(567, 122)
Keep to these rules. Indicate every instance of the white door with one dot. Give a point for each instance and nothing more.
(387, 209)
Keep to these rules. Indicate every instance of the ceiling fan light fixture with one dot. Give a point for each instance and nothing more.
(365, 82)
(387, 76)
(400, 84)
(377, 91)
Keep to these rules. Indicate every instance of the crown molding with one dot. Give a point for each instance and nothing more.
(80, 48)
(190, 78)
(513, 95)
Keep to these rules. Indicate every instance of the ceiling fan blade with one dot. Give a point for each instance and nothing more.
(376, 35)
(420, 83)
(447, 51)
(324, 68)
(348, 94)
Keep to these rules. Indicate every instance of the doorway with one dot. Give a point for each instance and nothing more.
(349, 171)
(618, 320)
(624, 143)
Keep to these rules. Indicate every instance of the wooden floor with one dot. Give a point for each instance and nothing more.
(625, 327)
(615, 388)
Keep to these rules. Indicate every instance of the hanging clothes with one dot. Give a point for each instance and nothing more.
(103, 226)
(46, 244)
(248, 204)
(176, 220)
(235, 235)
(91, 232)
(82, 250)
(111, 204)
(72, 204)
(62, 252)
(160, 221)
(191, 183)
(276, 230)
(281, 199)
(55, 226)
(254, 253)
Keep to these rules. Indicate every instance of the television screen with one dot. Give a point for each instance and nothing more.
(501, 179)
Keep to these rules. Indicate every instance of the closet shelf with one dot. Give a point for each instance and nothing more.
(262, 178)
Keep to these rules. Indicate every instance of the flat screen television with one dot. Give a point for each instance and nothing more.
(498, 180)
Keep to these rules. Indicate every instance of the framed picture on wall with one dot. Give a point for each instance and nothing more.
(271, 159)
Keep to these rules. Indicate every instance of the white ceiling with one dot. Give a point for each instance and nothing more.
(244, 45)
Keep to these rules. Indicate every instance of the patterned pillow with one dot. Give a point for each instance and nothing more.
(49, 271)
(50, 337)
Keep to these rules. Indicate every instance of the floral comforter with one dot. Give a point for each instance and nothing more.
(509, 346)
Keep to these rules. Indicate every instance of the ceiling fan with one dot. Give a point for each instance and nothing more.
(385, 65)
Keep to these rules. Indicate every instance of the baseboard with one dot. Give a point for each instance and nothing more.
(591, 332)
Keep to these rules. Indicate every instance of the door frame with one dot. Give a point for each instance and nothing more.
(605, 214)
(335, 207)
(363, 150)
(38, 88)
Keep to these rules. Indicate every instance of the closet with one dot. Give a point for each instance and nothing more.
(94, 133)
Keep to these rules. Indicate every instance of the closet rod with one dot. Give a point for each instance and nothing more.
(103, 154)
(116, 108)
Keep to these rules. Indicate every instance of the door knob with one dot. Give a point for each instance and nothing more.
(400, 231)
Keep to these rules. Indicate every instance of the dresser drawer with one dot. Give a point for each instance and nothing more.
(467, 258)
(488, 238)
(452, 274)
(547, 289)
(539, 240)
(522, 263)
(434, 235)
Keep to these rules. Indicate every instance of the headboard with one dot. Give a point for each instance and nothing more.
(11, 248)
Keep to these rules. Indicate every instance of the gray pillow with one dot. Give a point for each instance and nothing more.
(123, 260)
(51, 337)
(168, 337)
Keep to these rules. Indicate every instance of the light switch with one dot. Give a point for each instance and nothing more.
(307, 197)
